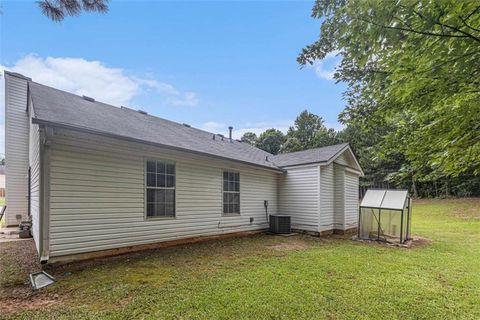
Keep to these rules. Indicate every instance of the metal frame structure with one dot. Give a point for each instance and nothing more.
(405, 210)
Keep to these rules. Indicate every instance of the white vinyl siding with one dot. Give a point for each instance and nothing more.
(342, 159)
(35, 182)
(299, 196)
(16, 148)
(97, 195)
(351, 200)
(339, 173)
(327, 198)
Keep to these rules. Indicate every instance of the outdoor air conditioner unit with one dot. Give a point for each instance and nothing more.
(280, 223)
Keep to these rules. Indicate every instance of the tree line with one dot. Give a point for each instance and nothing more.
(382, 170)
(412, 72)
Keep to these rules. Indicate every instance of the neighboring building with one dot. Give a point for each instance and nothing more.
(93, 177)
(2, 181)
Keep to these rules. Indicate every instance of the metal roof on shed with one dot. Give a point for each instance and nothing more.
(385, 199)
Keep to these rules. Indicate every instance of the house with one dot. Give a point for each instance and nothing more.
(2, 181)
(96, 179)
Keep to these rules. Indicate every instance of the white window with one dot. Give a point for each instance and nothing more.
(160, 188)
(231, 192)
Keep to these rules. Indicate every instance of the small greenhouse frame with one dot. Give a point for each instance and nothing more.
(385, 215)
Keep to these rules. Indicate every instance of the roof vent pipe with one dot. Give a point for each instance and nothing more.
(88, 98)
(230, 133)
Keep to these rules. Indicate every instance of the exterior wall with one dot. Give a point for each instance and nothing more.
(2, 181)
(327, 198)
(34, 161)
(351, 200)
(16, 148)
(299, 196)
(339, 197)
(97, 195)
(342, 160)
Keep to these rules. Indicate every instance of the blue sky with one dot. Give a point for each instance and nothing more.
(209, 64)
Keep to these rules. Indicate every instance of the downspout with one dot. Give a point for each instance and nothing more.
(46, 134)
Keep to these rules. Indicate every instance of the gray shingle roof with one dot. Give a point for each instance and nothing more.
(57, 107)
(323, 154)
(62, 108)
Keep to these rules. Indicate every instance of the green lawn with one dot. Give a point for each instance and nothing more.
(301, 277)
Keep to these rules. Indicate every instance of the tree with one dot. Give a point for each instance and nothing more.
(325, 137)
(412, 67)
(291, 145)
(249, 137)
(271, 141)
(58, 9)
(308, 132)
(305, 128)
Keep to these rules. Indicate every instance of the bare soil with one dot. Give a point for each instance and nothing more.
(289, 246)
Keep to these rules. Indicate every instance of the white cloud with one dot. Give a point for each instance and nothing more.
(325, 68)
(188, 99)
(336, 125)
(214, 127)
(92, 78)
(255, 127)
(95, 79)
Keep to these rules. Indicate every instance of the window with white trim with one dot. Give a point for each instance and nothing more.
(160, 189)
(231, 192)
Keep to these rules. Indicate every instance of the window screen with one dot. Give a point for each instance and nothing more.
(231, 192)
(160, 189)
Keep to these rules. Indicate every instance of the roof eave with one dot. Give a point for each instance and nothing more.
(303, 164)
(112, 135)
(338, 153)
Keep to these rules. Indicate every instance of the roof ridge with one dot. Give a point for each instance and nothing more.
(129, 109)
(70, 110)
(312, 149)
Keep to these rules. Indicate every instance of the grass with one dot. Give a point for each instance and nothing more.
(268, 277)
(2, 203)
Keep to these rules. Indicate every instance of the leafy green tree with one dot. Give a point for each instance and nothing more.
(271, 141)
(305, 128)
(58, 9)
(308, 132)
(325, 137)
(291, 145)
(411, 66)
(249, 137)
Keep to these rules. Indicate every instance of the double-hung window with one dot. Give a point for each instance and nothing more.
(160, 188)
(231, 192)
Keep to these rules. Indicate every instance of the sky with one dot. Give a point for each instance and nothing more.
(208, 64)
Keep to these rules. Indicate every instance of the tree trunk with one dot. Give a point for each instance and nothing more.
(414, 188)
(447, 190)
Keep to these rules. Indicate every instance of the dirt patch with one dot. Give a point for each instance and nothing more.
(18, 260)
(34, 302)
(468, 213)
(287, 246)
(415, 242)
(419, 242)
